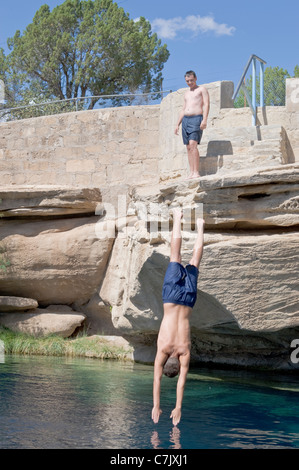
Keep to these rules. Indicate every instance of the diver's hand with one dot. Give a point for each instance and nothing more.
(176, 416)
(156, 414)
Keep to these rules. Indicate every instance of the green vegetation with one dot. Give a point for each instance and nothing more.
(82, 48)
(4, 263)
(54, 345)
(274, 87)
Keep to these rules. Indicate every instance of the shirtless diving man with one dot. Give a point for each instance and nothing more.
(193, 117)
(179, 296)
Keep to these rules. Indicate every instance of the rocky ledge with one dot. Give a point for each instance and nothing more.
(61, 248)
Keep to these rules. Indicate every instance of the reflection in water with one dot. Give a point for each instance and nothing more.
(88, 403)
(174, 439)
(155, 441)
(49, 401)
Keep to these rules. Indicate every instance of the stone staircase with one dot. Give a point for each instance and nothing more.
(224, 149)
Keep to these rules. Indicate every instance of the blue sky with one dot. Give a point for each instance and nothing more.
(214, 38)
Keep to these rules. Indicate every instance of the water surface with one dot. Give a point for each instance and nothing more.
(60, 403)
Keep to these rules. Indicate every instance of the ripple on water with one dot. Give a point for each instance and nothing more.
(87, 403)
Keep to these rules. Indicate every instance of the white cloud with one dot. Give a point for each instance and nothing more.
(168, 29)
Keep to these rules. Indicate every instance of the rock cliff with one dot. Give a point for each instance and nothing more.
(84, 267)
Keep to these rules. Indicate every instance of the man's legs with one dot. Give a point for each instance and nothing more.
(176, 237)
(198, 246)
(193, 158)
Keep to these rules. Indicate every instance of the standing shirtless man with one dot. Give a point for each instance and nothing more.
(193, 117)
(179, 296)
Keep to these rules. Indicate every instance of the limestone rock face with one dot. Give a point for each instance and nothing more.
(44, 201)
(95, 239)
(11, 303)
(244, 282)
(108, 272)
(59, 320)
(54, 260)
(248, 303)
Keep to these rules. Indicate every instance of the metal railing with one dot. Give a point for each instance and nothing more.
(131, 96)
(252, 102)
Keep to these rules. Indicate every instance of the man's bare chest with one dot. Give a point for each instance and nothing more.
(192, 98)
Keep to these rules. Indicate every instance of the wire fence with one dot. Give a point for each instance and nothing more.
(274, 95)
(46, 108)
(274, 88)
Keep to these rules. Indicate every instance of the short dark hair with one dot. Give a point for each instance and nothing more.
(190, 72)
(171, 367)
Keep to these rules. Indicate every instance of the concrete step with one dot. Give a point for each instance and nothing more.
(217, 141)
(231, 163)
(242, 136)
(233, 149)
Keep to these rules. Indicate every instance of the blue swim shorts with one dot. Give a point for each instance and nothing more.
(191, 128)
(180, 284)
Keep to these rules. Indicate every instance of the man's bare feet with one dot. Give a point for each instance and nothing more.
(192, 176)
(200, 223)
(177, 213)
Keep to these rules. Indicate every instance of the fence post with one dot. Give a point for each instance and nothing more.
(254, 90)
(262, 102)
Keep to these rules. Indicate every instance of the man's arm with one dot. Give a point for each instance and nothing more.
(158, 371)
(181, 115)
(206, 108)
(177, 412)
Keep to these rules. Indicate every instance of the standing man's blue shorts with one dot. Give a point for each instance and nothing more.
(180, 284)
(191, 128)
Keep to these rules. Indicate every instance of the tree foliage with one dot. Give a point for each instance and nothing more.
(296, 71)
(274, 87)
(82, 48)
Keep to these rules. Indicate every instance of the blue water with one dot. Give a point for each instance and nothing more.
(60, 403)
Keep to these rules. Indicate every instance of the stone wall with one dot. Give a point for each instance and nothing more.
(81, 149)
(120, 146)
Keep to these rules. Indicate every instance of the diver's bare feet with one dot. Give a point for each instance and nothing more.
(200, 224)
(177, 213)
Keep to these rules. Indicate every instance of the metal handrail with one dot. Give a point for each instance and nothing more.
(253, 58)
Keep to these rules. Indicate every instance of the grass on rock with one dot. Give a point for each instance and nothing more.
(54, 345)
